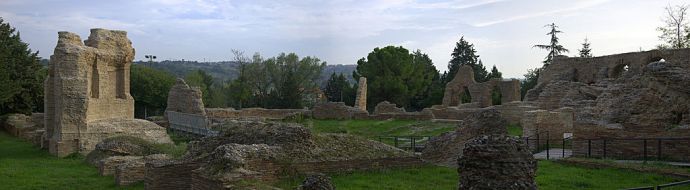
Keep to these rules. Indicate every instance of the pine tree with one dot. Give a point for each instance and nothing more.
(495, 73)
(553, 47)
(21, 75)
(586, 51)
(465, 54)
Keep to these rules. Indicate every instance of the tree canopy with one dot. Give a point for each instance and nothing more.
(553, 47)
(465, 54)
(21, 75)
(676, 30)
(396, 75)
(149, 88)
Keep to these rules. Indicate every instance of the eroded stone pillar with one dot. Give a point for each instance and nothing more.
(361, 101)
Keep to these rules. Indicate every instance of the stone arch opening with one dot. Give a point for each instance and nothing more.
(496, 96)
(95, 83)
(655, 59)
(619, 70)
(465, 96)
(120, 82)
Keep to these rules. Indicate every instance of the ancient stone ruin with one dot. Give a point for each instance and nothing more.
(641, 95)
(87, 93)
(463, 84)
(185, 99)
(496, 162)
(264, 151)
(387, 107)
(446, 148)
(361, 101)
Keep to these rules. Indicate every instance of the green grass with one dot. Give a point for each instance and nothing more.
(23, 166)
(550, 175)
(514, 130)
(371, 129)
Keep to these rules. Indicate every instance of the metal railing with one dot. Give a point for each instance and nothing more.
(663, 186)
(190, 123)
(542, 141)
(602, 147)
(410, 143)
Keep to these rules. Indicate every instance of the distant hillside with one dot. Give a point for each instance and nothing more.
(227, 70)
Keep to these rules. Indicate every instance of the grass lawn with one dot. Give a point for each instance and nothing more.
(550, 175)
(23, 166)
(373, 128)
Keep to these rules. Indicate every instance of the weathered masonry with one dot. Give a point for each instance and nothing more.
(87, 94)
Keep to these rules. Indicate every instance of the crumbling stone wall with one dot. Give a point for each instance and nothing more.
(88, 87)
(361, 101)
(555, 123)
(480, 92)
(29, 128)
(496, 162)
(262, 113)
(446, 148)
(185, 99)
(387, 107)
(336, 110)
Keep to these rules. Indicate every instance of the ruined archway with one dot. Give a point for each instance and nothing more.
(618, 70)
(465, 96)
(496, 96)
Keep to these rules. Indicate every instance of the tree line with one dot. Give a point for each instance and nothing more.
(395, 74)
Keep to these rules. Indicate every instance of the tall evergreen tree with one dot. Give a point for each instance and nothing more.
(495, 73)
(553, 47)
(465, 54)
(336, 88)
(586, 51)
(21, 76)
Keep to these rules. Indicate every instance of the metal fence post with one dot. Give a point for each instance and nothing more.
(414, 148)
(604, 149)
(644, 150)
(589, 148)
(658, 149)
(563, 149)
(396, 141)
(547, 145)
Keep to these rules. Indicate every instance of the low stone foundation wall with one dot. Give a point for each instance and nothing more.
(130, 172)
(108, 166)
(169, 175)
(230, 113)
(29, 128)
(183, 176)
(628, 142)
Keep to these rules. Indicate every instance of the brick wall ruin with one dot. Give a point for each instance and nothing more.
(185, 99)
(496, 162)
(87, 93)
(480, 92)
(635, 96)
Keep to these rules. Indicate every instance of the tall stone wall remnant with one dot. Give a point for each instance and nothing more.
(496, 162)
(447, 147)
(87, 94)
(185, 99)
(361, 101)
(480, 93)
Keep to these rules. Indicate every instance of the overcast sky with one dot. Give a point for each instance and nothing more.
(343, 31)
